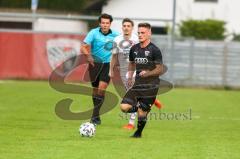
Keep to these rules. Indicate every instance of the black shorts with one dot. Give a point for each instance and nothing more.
(144, 94)
(100, 72)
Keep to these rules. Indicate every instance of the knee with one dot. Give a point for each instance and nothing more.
(95, 91)
(142, 118)
(125, 107)
(141, 113)
(144, 107)
(101, 92)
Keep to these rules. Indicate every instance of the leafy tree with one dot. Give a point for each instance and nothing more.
(55, 5)
(203, 29)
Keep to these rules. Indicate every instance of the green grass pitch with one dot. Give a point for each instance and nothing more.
(30, 129)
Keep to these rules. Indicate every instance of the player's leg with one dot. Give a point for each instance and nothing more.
(100, 93)
(131, 122)
(129, 103)
(98, 98)
(94, 72)
(126, 107)
(142, 120)
(132, 119)
(132, 108)
(94, 78)
(144, 108)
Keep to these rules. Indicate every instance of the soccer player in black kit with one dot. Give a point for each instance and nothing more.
(146, 59)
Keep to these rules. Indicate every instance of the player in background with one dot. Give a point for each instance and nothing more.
(120, 59)
(99, 61)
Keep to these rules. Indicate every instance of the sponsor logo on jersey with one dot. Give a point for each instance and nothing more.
(147, 53)
(135, 52)
(141, 60)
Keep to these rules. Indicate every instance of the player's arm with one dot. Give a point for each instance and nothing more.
(112, 65)
(86, 47)
(114, 59)
(155, 72)
(159, 68)
(131, 68)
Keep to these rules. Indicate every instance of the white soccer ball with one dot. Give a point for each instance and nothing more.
(87, 130)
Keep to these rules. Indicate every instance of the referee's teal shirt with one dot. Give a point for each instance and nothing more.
(101, 44)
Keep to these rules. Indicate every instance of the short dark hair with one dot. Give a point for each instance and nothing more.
(128, 20)
(145, 25)
(105, 16)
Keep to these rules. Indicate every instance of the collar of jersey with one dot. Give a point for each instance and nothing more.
(109, 32)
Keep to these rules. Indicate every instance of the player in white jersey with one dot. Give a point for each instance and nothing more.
(120, 57)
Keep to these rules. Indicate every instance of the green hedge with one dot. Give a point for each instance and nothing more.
(203, 29)
(15, 3)
(236, 37)
(58, 5)
(62, 5)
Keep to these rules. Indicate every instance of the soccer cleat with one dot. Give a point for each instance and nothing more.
(158, 104)
(129, 126)
(136, 135)
(96, 121)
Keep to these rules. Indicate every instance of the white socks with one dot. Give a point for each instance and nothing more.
(132, 118)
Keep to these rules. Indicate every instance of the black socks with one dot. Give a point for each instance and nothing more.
(97, 101)
(141, 124)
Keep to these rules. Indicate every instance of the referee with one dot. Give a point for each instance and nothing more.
(146, 59)
(97, 47)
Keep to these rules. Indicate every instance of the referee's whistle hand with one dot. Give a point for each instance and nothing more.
(91, 61)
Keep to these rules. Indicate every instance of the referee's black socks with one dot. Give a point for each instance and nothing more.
(97, 101)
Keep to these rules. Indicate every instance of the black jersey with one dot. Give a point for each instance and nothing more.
(145, 59)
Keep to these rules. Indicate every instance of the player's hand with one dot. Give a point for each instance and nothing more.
(90, 60)
(129, 82)
(111, 74)
(143, 74)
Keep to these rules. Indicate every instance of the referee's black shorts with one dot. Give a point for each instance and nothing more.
(99, 72)
(144, 95)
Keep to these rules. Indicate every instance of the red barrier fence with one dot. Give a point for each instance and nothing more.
(35, 55)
